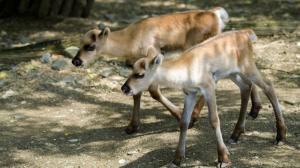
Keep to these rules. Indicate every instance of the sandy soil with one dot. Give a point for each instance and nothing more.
(76, 117)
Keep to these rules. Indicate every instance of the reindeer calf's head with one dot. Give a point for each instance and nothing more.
(143, 74)
(91, 44)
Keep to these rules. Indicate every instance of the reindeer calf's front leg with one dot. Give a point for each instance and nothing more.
(189, 104)
(135, 117)
(156, 94)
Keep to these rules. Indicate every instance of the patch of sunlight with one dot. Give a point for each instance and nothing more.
(260, 134)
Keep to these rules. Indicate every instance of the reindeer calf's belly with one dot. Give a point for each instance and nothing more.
(217, 75)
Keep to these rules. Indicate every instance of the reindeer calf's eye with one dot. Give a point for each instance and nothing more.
(139, 75)
(89, 47)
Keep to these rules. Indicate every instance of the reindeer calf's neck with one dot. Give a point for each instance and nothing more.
(118, 44)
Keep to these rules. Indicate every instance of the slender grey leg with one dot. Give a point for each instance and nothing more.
(189, 104)
(268, 89)
(135, 117)
(210, 97)
(156, 94)
(256, 103)
(245, 89)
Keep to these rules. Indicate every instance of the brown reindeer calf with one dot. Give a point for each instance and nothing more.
(171, 31)
(229, 55)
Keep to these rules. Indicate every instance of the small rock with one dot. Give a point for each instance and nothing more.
(3, 33)
(106, 72)
(116, 78)
(23, 102)
(8, 94)
(122, 161)
(73, 140)
(46, 58)
(69, 79)
(298, 44)
(109, 17)
(2, 83)
(20, 117)
(132, 152)
(59, 64)
(72, 50)
(23, 39)
(125, 72)
(4, 45)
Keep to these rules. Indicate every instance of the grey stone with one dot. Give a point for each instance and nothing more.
(4, 45)
(3, 33)
(69, 79)
(2, 82)
(23, 39)
(105, 72)
(122, 161)
(20, 117)
(73, 140)
(108, 16)
(9, 93)
(46, 58)
(59, 64)
(132, 152)
(125, 72)
(72, 50)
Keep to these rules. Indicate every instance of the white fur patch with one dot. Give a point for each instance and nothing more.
(223, 17)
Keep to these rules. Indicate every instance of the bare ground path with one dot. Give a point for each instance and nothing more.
(76, 117)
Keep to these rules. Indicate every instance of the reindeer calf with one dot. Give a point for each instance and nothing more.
(167, 32)
(229, 55)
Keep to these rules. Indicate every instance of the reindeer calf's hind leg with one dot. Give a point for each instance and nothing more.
(268, 89)
(256, 103)
(245, 89)
(197, 110)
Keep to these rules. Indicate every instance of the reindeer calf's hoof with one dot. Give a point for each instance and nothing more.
(131, 129)
(232, 141)
(223, 164)
(254, 111)
(172, 165)
(192, 123)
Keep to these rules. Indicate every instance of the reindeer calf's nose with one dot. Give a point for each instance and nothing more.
(76, 61)
(125, 88)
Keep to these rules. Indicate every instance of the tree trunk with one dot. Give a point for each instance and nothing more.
(44, 8)
(35, 4)
(55, 7)
(67, 7)
(9, 8)
(78, 6)
(23, 6)
(87, 10)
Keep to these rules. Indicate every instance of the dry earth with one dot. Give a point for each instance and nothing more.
(76, 117)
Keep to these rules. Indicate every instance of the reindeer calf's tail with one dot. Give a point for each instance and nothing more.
(251, 34)
(223, 16)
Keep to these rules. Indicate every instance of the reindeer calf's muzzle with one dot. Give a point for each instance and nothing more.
(125, 89)
(76, 61)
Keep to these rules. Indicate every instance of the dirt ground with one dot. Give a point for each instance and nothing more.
(76, 117)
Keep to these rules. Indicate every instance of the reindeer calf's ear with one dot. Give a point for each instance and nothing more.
(104, 32)
(158, 59)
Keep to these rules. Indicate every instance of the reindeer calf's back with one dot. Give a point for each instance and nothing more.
(176, 31)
